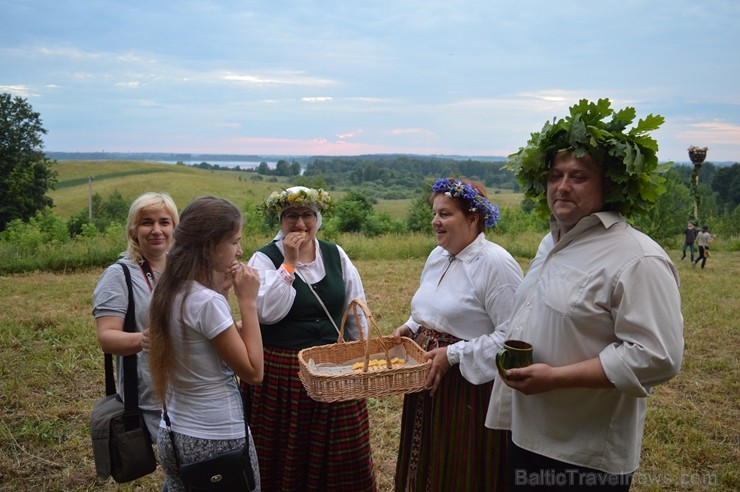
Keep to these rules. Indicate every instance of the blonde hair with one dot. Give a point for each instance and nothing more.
(146, 201)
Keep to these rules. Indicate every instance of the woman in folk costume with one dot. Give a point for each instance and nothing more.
(306, 285)
(465, 296)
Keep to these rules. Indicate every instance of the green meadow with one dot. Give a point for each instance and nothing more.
(134, 178)
(51, 368)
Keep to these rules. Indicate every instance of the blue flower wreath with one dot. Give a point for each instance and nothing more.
(475, 201)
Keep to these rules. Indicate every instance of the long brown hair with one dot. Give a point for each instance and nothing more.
(204, 223)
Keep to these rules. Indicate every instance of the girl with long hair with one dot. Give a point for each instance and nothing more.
(196, 346)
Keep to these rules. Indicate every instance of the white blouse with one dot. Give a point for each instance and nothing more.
(469, 296)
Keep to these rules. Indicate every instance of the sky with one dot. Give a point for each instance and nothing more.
(342, 77)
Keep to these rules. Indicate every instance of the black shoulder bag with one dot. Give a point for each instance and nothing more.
(122, 447)
(226, 472)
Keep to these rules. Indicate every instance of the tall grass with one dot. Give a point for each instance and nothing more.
(51, 371)
(101, 250)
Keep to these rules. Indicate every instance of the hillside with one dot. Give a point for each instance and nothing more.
(184, 183)
(134, 178)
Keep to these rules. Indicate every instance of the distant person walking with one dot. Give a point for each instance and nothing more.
(703, 240)
(689, 238)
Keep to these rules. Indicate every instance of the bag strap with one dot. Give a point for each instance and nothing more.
(171, 434)
(148, 274)
(318, 298)
(110, 382)
(174, 448)
(131, 413)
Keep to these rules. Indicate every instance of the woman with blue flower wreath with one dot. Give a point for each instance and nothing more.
(465, 295)
(306, 285)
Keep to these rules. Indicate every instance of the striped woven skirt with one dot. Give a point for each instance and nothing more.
(445, 445)
(302, 444)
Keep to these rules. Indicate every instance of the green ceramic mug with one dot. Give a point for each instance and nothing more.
(514, 353)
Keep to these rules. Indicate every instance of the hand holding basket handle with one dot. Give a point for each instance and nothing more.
(342, 387)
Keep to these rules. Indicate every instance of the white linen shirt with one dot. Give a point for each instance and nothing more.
(606, 290)
(276, 293)
(471, 302)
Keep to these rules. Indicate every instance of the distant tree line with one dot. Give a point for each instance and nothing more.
(399, 176)
(148, 156)
(722, 183)
(282, 168)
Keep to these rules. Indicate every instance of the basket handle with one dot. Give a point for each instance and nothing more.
(353, 305)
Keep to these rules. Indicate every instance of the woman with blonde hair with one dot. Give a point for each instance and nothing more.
(151, 220)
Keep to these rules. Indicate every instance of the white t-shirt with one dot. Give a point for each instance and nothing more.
(203, 399)
(704, 238)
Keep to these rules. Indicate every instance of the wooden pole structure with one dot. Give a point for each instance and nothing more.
(89, 197)
(697, 156)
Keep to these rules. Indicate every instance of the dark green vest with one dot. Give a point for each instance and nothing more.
(306, 324)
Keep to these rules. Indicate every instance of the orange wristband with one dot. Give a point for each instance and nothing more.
(289, 268)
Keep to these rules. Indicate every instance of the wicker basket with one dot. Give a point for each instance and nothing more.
(392, 380)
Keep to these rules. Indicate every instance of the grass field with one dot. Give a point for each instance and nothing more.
(51, 372)
(51, 367)
(186, 182)
(134, 178)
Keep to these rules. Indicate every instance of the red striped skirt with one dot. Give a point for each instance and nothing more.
(445, 445)
(302, 444)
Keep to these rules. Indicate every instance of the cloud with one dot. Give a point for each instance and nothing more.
(66, 53)
(712, 132)
(289, 78)
(316, 99)
(312, 146)
(368, 99)
(18, 90)
(133, 84)
(348, 135)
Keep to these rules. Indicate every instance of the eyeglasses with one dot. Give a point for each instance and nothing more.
(307, 217)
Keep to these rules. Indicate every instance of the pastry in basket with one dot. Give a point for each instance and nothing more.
(374, 365)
